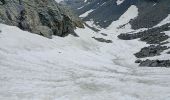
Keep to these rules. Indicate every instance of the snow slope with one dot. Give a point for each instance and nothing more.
(35, 68)
(76, 68)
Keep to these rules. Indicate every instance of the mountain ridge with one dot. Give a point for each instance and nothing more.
(105, 12)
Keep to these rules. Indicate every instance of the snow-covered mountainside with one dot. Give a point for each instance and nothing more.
(142, 14)
(101, 64)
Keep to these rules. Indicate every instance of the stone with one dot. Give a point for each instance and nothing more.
(104, 34)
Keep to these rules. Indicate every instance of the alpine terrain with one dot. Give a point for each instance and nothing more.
(84, 49)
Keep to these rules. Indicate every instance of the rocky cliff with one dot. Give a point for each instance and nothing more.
(43, 17)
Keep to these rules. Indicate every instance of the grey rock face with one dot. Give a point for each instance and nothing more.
(44, 17)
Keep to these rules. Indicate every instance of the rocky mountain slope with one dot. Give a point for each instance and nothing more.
(104, 12)
(44, 17)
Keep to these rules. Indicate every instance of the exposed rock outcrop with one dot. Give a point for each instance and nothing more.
(155, 63)
(151, 36)
(43, 17)
(102, 40)
(151, 51)
(157, 39)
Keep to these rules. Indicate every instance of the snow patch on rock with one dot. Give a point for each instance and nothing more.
(86, 13)
(123, 21)
(119, 2)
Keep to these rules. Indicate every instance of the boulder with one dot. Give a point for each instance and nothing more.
(44, 31)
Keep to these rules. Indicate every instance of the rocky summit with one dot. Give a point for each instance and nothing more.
(43, 17)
